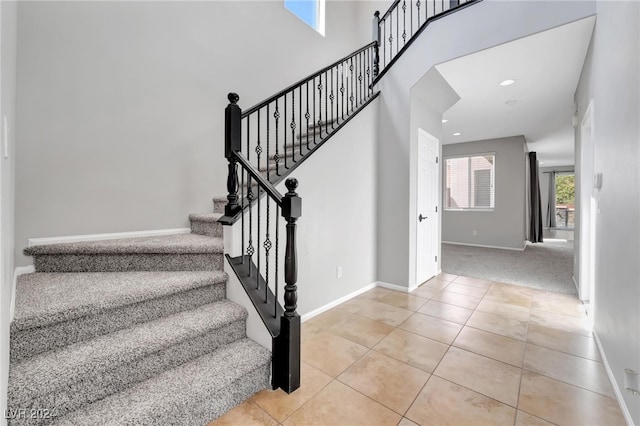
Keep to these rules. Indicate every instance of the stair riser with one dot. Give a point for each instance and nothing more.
(103, 383)
(33, 341)
(128, 262)
(212, 229)
(202, 412)
(218, 205)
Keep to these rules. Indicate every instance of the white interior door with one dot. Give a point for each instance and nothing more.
(427, 207)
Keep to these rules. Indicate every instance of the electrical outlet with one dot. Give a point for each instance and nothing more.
(475, 233)
(339, 272)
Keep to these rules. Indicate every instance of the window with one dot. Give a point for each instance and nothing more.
(469, 182)
(309, 11)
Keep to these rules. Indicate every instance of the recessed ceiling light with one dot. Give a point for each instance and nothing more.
(507, 82)
(444, 120)
(457, 134)
(511, 102)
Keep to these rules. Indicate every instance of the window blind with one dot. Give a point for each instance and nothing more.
(469, 182)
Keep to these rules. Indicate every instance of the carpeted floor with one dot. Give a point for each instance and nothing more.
(546, 266)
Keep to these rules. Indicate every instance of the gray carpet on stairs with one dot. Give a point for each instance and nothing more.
(54, 310)
(84, 372)
(545, 266)
(132, 331)
(190, 395)
(181, 252)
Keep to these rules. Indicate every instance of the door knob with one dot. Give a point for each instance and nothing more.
(421, 218)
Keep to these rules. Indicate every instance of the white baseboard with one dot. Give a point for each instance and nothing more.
(614, 383)
(485, 246)
(20, 270)
(395, 287)
(575, 284)
(336, 302)
(111, 236)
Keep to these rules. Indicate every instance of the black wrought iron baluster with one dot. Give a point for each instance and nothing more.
(258, 241)
(276, 158)
(330, 97)
(277, 261)
(390, 38)
(383, 42)
(242, 216)
(368, 71)
(307, 115)
(258, 143)
(292, 125)
(326, 105)
(267, 247)
(250, 248)
(397, 30)
(342, 89)
(300, 116)
(418, 6)
(319, 105)
(411, 17)
(351, 97)
(248, 138)
(376, 39)
(404, 22)
(268, 158)
(313, 89)
(361, 57)
(284, 131)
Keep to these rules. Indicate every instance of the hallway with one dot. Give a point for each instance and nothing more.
(458, 350)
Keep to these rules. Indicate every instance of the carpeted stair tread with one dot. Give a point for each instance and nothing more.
(205, 217)
(92, 361)
(164, 244)
(190, 394)
(48, 298)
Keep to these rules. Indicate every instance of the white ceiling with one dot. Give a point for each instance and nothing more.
(546, 67)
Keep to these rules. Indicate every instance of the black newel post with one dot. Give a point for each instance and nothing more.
(376, 48)
(286, 374)
(232, 140)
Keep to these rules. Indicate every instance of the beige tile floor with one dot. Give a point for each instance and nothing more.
(457, 351)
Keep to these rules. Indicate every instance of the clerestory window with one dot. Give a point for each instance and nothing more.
(309, 11)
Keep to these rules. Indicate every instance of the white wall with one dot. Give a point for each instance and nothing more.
(8, 17)
(338, 224)
(480, 26)
(121, 104)
(501, 227)
(611, 77)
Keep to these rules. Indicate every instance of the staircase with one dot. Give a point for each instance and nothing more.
(138, 331)
(131, 331)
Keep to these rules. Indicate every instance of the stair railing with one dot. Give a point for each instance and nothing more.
(259, 281)
(395, 30)
(280, 131)
(269, 140)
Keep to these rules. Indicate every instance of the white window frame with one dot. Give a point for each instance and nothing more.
(493, 183)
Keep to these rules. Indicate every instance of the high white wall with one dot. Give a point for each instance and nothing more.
(477, 27)
(501, 227)
(121, 104)
(8, 18)
(338, 224)
(611, 77)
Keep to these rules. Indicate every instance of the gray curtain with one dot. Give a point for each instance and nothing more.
(535, 216)
(551, 207)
